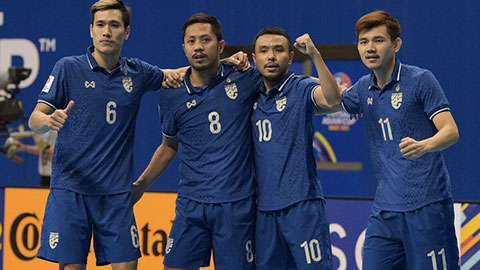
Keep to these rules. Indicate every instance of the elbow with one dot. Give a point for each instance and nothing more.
(455, 136)
(334, 102)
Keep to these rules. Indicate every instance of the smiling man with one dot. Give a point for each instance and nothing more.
(408, 123)
(92, 100)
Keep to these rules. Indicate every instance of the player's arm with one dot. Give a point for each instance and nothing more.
(239, 60)
(162, 157)
(44, 117)
(328, 94)
(174, 77)
(446, 135)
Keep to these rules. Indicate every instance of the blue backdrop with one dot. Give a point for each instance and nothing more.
(437, 35)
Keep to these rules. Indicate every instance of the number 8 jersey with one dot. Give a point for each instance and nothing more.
(212, 125)
(94, 150)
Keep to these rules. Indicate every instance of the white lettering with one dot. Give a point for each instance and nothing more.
(23, 48)
(337, 252)
(47, 44)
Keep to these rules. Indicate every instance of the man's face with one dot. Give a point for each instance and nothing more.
(202, 47)
(108, 32)
(377, 49)
(272, 57)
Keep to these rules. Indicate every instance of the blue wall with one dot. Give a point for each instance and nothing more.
(436, 35)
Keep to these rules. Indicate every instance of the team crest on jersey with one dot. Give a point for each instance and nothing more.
(127, 84)
(231, 90)
(53, 241)
(281, 103)
(370, 101)
(169, 245)
(396, 100)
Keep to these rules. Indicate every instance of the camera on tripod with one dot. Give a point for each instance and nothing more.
(11, 108)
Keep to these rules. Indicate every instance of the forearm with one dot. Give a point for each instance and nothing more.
(38, 122)
(444, 138)
(162, 157)
(330, 89)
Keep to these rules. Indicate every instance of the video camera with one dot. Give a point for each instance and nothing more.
(10, 107)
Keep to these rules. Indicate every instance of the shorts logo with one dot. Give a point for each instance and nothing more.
(53, 241)
(396, 100)
(255, 105)
(127, 84)
(231, 90)
(169, 246)
(89, 84)
(48, 84)
(281, 103)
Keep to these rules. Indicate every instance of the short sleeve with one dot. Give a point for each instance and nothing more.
(431, 95)
(153, 77)
(351, 100)
(54, 92)
(166, 116)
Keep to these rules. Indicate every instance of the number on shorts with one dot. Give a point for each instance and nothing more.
(111, 114)
(134, 233)
(249, 249)
(434, 259)
(312, 251)
(214, 119)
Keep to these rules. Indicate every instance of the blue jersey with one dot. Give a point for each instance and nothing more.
(212, 124)
(283, 127)
(94, 150)
(405, 107)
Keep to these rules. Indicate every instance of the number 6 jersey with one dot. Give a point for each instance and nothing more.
(94, 150)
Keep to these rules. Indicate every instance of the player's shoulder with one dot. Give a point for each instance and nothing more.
(174, 94)
(300, 81)
(136, 64)
(415, 72)
(74, 60)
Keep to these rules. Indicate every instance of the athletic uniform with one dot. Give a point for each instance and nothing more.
(216, 204)
(412, 218)
(292, 227)
(93, 159)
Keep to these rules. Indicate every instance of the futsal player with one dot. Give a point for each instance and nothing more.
(92, 100)
(210, 118)
(408, 123)
(292, 227)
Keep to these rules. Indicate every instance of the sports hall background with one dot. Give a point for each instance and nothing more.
(440, 35)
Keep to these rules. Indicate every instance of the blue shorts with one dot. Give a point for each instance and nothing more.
(296, 237)
(419, 239)
(228, 228)
(70, 218)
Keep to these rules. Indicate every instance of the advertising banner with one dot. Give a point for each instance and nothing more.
(24, 211)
